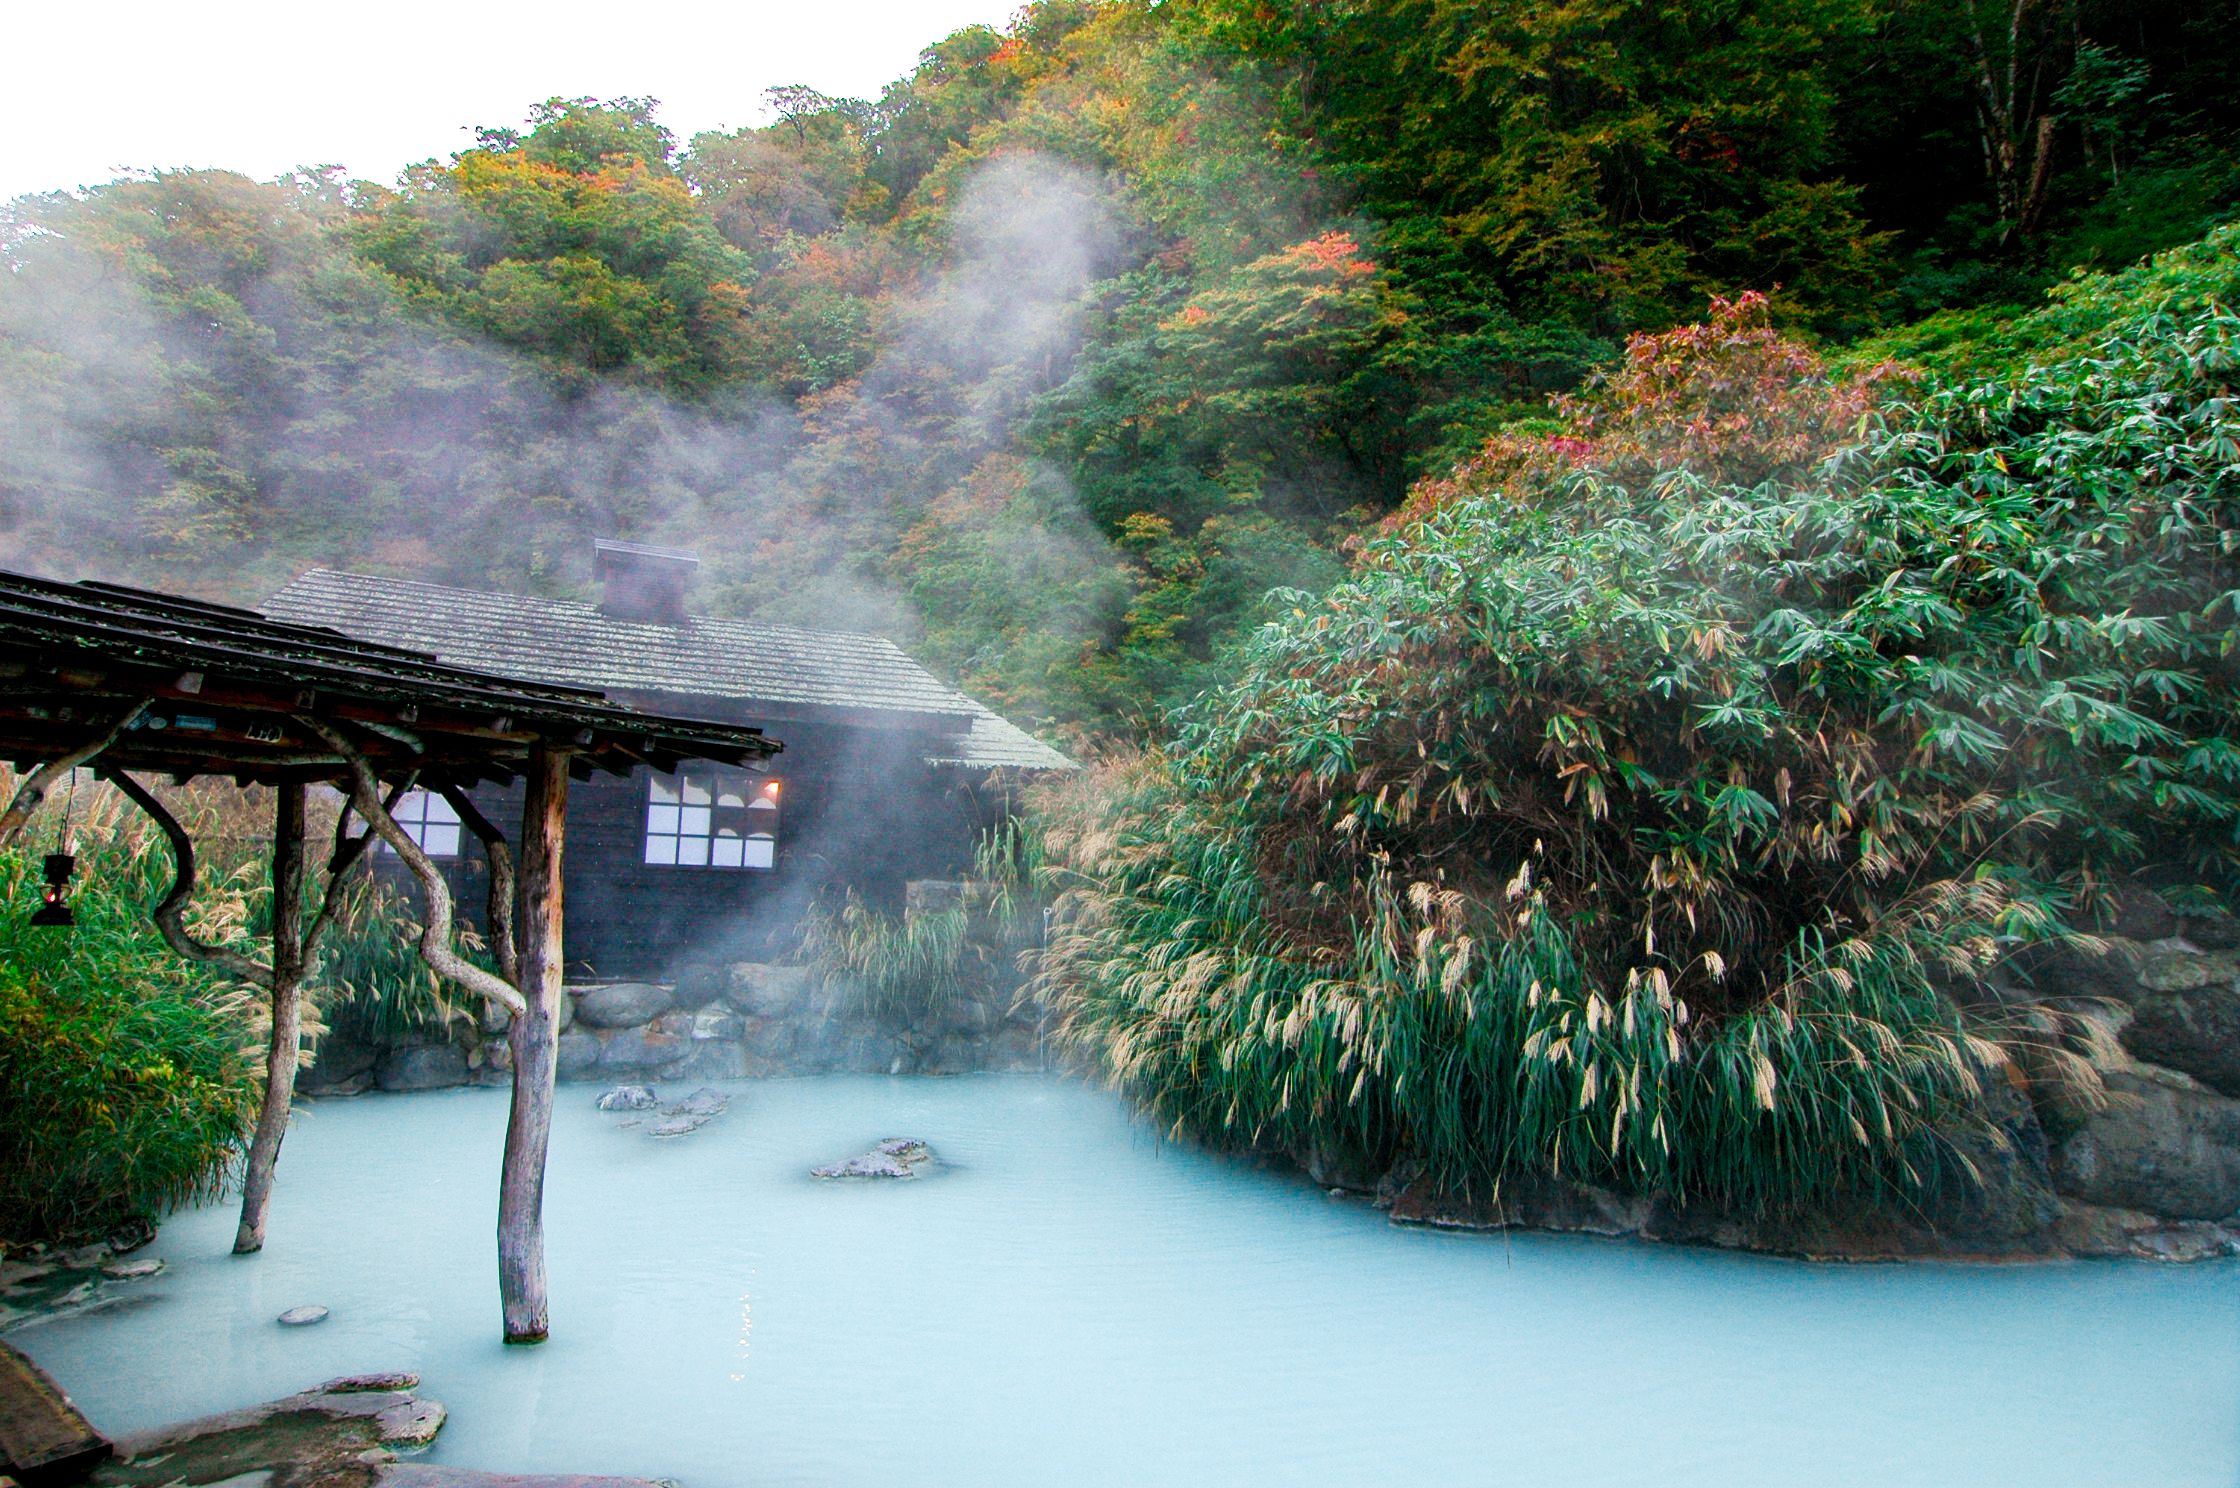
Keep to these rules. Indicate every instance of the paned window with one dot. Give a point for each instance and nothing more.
(427, 819)
(712, 816)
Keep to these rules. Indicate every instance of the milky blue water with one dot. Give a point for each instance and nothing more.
(1075, 1302)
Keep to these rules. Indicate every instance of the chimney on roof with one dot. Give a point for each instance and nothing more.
(638, 581)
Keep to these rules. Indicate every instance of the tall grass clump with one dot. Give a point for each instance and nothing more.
(899, 969)
(125, 1088)
(1658, 828)
(919, 966)
(369, 980)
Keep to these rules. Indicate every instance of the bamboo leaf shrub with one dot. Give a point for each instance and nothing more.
(1659, 831)
(125, 1085)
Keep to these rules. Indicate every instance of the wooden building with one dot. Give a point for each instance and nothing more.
(130, 682)
(887, 775)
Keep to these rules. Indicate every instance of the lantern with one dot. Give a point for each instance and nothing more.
(54, 908)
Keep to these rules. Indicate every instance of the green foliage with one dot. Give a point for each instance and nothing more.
(577, 243)
(124, 1088)
(912, 970)
(1644, 829)
(1480, 1056)
(1007, 862)
(1204, 286)
(1609, 161)
(902, 971)
(2076, 314)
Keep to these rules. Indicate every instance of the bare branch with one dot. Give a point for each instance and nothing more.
(33, 792)
(499, 911)
(435, 937)
(169, 914)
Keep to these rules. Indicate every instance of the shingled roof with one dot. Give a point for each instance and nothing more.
(186, 687)
(574, 644)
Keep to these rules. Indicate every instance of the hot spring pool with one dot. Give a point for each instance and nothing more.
(1078, 1303)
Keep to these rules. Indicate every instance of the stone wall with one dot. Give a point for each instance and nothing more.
(744, 1019)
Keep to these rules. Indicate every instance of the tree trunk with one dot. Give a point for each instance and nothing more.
(287, 1017)
(534, 1037)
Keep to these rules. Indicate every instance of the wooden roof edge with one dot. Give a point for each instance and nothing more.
(239, 660)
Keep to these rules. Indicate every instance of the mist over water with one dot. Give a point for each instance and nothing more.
(1075, 1301)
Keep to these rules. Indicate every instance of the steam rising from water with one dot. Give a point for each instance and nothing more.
(301, 410)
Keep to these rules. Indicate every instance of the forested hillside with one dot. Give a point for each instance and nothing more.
(1060, 354)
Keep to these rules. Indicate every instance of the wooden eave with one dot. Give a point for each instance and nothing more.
(224, 688)
(920, 724)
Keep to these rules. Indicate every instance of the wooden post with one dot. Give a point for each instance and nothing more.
(286, 1044)
(534, 1036)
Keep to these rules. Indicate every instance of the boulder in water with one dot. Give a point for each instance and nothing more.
(344, 1432)
(303, 1317)
(894, 1157)
(628, 1098)
(690, 1114)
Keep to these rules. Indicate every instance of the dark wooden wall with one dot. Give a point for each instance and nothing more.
(860, 809)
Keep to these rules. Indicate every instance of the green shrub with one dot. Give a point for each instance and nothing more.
(125, 1088)
(1657, 831)
(2078, 315)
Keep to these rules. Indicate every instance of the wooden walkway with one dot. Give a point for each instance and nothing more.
(43, 1438)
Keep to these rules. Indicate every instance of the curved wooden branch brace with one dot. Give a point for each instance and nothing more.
(499, 911)
(33, 792)
(169, 914)
(349, 851)
(435, 937)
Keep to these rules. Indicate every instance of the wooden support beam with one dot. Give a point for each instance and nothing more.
(286, 1043)
(349, 850)
(499, 910)
(435, 935)
(534, 1037)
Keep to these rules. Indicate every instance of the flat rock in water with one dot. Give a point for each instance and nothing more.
(303, 1317)
(359, 1384)
(894, 1157)
(435, 1475)
(341, 1435)
(628, 1098)
(131, 1270)
(690, 1114)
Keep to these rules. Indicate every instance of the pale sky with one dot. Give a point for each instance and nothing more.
(92, 87)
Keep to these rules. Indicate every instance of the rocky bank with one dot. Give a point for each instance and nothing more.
(2152, 1173)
